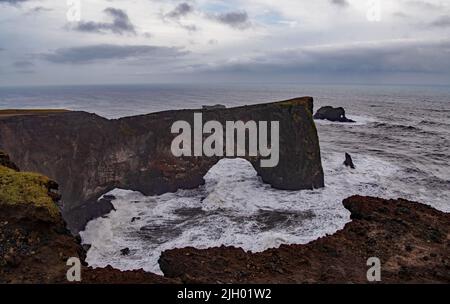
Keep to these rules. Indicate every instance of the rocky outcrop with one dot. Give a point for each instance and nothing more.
(6, 162)
(411, 240)
(213, 107)
(332, 114)
(34, 242)
(349, 161)
(89, 155)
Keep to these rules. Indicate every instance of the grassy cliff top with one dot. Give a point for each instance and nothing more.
(25, 188)
(17, 112)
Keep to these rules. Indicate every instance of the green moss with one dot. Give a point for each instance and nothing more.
(293, 102)
(288, 103)
(25, 188)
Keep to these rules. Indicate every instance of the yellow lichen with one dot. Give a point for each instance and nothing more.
(25, 188)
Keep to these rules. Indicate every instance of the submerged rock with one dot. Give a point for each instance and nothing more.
(125, 251)
(332, 114)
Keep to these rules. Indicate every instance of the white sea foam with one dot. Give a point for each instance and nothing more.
(359, 121)
(233, 208)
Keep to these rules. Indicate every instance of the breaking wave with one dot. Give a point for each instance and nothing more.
(234, 208)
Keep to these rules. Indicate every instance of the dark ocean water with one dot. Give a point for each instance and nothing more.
(400, 145)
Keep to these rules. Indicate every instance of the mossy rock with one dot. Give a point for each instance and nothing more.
(24, 188)
(307, 102)
(6, 162)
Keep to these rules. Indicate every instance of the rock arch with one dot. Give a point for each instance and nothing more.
(89, 155)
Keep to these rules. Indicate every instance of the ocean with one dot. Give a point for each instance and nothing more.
(399, 143)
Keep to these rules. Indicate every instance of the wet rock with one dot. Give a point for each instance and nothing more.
(134, 219)
(109, 197)
(349, 161)
(125, 251)
(332, 114)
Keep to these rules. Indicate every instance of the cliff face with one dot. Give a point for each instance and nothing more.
(411, 240)
(89, 155)
(32, 232)
(34, 242)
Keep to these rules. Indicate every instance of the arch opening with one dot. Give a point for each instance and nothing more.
(234, 207)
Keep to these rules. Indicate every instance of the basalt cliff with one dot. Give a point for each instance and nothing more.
(89, 155)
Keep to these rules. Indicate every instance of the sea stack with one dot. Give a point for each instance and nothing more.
(332, 114)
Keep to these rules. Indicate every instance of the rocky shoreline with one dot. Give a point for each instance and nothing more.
(411, 240)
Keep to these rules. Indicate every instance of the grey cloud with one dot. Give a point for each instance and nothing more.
(121, 23)
(237, 20)
(424, 5)
(22, 64)
(342, 3)
(182, 9)
(26, 71)
(443, 21)
(190, 27)
(39, 9)
(406, 57)
(13, 2)
(104, 52)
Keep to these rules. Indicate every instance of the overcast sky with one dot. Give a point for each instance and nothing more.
(148, 41)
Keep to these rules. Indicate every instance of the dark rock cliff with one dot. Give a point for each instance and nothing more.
(89, 155)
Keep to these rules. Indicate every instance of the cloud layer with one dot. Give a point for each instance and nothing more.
(215, 40)
(105, 52)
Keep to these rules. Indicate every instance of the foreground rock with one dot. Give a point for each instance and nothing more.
(34, 242)
(89, 155)
(349, 161)
(411, 240)
(332, 114)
